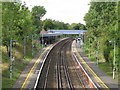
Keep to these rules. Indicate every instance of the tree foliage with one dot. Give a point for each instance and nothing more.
(19, 22)
(52, 24)
(38, 12)
(77, 26)
(101, 22)
(48, 24)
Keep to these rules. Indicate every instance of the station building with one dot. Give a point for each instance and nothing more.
(50, 36)
(47, 37)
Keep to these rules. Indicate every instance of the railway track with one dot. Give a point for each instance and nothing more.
(60, 69)
(65, 80)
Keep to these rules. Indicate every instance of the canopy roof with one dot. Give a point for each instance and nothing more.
(50, 33)
(68, 31)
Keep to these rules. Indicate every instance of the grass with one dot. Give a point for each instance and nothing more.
(106, 67)
(18, 64)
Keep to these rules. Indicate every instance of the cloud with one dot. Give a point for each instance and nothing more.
(68, 11)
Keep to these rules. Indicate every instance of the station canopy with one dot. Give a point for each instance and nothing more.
(68, 32)
(52, 32)
(44, 33)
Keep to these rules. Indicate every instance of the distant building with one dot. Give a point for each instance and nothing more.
(47, 37)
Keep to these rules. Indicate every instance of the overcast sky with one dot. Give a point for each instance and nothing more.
(68, 11)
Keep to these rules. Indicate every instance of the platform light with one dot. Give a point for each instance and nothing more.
(114, 58)
(11, 57)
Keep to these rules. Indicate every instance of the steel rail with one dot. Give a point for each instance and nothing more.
(77, 71)
(91, 83)
(39, 74)
(45, 83)
(59, 78)
(67, 75)
(74, 65)
(59, 69)
(70, 85)
(61, 65)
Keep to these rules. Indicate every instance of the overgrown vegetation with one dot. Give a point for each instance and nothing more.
(20, 37)
(102, 23)
(18, 63)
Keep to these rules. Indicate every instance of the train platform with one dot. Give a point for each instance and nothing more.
(29, 75)
(100, 78)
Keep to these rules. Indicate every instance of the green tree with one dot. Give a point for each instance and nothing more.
(38, 12)
(77, 26)
(17, 23)
(52, 24)
(9, 20)
(48, 24)
(101, 22)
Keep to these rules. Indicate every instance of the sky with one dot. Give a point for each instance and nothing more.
(68, 11)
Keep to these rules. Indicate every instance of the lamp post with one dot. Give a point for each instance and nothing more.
(11, 40)
(114, 60)
(11, 49)
(11, 56)
(114, 68)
